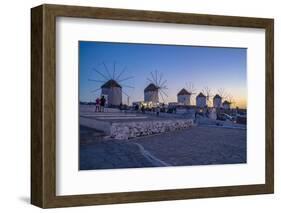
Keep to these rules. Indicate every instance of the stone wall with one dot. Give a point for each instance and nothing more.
(129, 130)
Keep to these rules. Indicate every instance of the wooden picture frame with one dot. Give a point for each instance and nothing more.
(43, 105)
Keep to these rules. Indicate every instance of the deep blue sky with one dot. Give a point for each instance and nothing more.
(203, 66)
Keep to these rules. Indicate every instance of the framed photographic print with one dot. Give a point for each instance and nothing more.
(135, 106)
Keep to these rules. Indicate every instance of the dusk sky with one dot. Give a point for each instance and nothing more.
(203, 66)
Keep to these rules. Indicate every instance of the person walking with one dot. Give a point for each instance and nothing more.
(97, 109)
(102, 103)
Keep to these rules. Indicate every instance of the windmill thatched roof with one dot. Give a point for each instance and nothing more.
(184, 92)
(151, 87)
(217, 96)
(201, 95)
(111, 83)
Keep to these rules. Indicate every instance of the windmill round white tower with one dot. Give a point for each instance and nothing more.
(226, 105)
(156, 87)
(113, 91)
(229, 102)
(184, 97)
(201, 100)
(151, 93)
(192, 90)
(217, 101)
(208, 94)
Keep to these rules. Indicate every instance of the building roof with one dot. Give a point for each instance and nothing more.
(217, 96)
(226, 102)
(184, 92)
(151, 87)
(201, 95)
(111, 83)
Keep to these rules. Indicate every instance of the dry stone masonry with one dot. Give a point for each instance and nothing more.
(127, 130)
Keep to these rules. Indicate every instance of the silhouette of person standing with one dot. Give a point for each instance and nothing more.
(142, 109)
(102, 103)
(97, 105)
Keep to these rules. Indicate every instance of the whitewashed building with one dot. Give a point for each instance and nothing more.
(226, 105)
(201, 100)
(113, 91)
(184, 97)
(151, 93)
(217, 100)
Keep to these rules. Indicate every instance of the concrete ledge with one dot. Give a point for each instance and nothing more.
(96, 124)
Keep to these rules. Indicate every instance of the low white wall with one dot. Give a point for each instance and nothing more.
(128, 130)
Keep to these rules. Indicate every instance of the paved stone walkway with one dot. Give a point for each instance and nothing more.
(194, 146)
(97, 153)
(198, 146)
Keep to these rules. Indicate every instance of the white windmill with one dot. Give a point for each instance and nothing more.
(111, 84)
(201, 100)
(218, 98)
(208, 93)
(192, 90)
(184, 97)
(156, 87)
(231, 101)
